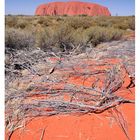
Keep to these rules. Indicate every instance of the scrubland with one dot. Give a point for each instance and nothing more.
(64, 73)
(63, 33)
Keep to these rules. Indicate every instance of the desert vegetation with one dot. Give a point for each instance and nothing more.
(61, 33)
(57, 65)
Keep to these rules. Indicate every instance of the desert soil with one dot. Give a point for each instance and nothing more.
(42, 122)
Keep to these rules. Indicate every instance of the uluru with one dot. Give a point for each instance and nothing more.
(72, 8)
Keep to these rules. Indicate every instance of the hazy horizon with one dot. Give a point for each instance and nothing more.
(28, 7)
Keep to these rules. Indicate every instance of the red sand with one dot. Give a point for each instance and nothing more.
(87, 127)
(104, 126)
(72, 8)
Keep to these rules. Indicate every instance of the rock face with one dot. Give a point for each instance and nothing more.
(72, 8)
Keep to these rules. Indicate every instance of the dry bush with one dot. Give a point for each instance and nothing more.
(82, 99)
(21, 24)
(80, 37)
(45, 39)
(44, 21)
(65, 33)
(18, 39)
(49, 38)
(62, 38)
(99, 34)
(102, 21)
(123, 23)
(66, 38)
(79, 22)
(11, 21)
(132, 23)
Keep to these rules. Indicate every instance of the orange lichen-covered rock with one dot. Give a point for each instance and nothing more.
(72, 8)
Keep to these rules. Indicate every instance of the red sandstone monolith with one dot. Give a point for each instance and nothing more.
(72, 8)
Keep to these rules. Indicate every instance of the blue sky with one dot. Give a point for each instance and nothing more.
(27, 7)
